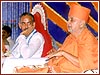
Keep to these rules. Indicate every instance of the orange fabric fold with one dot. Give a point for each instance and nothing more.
(29, 70)
(85, 47)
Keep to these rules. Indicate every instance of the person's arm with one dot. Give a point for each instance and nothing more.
(22, 48)
(68, 56)
(28, 50)
(71, 58)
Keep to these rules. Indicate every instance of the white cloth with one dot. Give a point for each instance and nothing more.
(10, 63)
(11, 42)
(29, 47)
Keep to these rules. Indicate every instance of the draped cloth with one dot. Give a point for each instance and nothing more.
(40, 28)
(29, 70)
(85, 47)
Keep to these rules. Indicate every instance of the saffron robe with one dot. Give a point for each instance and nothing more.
(85, 47)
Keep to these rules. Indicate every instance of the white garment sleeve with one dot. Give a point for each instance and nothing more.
(28, 50)
(16, 48)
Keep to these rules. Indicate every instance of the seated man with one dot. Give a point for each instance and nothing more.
(79, 51)
(6, 32)
(29, 43)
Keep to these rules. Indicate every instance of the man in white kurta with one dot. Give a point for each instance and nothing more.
(29, 43)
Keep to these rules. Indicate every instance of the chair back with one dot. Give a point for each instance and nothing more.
(41, 26)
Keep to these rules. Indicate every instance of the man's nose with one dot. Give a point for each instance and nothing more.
(26, 25)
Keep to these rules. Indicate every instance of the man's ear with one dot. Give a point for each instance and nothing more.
(34, 24)
(82, 24)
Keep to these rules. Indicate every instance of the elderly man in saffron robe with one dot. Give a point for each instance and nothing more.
(79, 51)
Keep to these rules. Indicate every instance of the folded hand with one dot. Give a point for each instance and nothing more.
(55, 54)
(27, 31)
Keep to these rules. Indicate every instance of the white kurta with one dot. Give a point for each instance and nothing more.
(29, 47)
